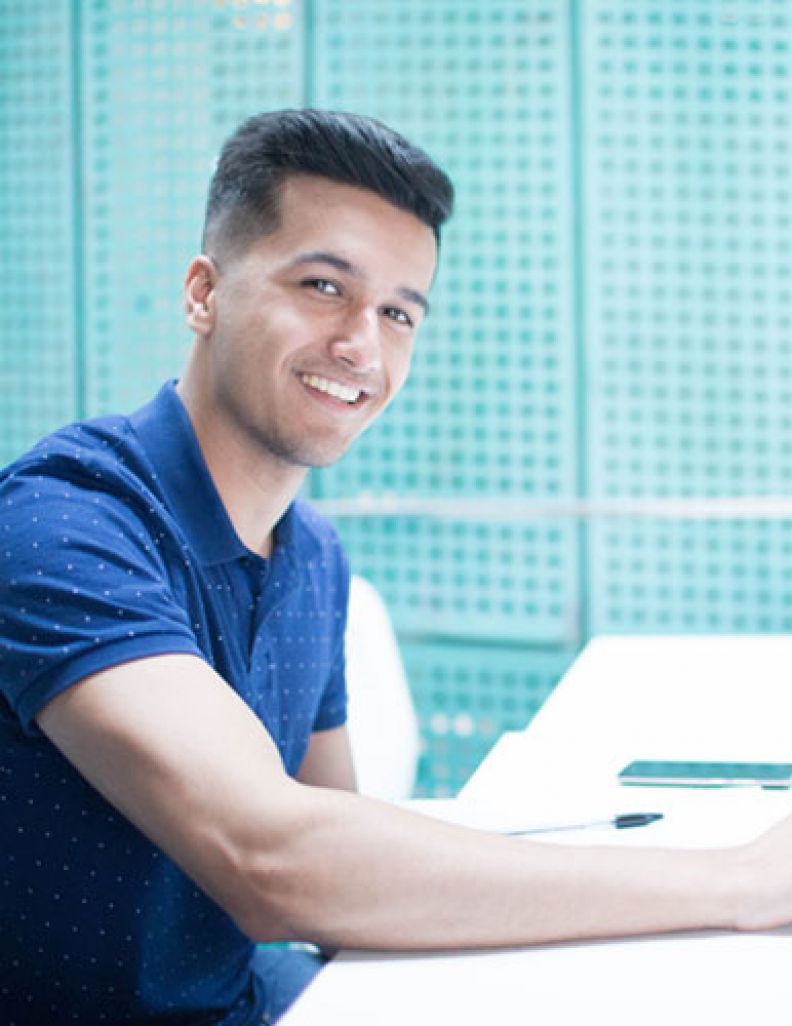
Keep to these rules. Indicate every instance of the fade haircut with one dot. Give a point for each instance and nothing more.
(244, 195)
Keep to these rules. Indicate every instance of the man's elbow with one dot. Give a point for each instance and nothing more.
(261, 905)
(274, 883)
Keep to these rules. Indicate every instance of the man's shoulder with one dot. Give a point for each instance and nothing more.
(95, 454)
(88, 469)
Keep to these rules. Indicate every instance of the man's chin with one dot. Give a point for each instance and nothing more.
(318, 458)
(319, 462)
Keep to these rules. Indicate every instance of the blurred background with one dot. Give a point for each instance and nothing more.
(597, 435)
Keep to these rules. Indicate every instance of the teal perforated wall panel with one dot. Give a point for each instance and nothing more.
(612, 317)
(489, 409)
(38, 356)
(466, 696)
(689, 300)
(162, 85)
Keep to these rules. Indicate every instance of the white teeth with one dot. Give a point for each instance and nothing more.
(349, 395)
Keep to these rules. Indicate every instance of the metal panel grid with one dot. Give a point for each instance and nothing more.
(685, 176)
(163, 84)
(466, 696)
(687, 197)
(659, 578)
(489, 409)
(37, 269)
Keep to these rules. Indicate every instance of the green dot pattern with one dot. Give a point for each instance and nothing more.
(465, 697)
(162, 86)
(612, 316)
(489, 408)
(38, 354)
(689, 305)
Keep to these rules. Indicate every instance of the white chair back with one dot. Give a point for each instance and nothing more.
(383, 727)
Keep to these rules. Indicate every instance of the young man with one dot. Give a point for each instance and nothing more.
(175, 766)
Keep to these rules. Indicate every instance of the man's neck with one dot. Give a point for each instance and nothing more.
(255, 492)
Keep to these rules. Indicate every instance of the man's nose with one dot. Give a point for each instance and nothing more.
(357, 340)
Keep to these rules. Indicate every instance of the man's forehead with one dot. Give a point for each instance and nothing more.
(322, 201)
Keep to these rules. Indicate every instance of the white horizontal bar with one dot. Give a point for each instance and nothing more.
(697, 508)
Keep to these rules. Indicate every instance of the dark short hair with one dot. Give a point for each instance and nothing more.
(243, 202)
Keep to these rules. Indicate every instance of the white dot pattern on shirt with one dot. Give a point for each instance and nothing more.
(76, 867)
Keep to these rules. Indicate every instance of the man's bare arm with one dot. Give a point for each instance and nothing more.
(328, 761)
(175, 750)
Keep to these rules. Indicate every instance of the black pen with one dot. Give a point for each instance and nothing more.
(623, 822)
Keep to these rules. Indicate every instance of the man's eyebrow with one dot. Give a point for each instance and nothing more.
(320, 256)
(415, 297)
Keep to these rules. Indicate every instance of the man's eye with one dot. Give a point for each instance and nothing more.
(327, 288)
(398, 315)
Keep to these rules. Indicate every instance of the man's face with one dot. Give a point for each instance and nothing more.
(312, 328)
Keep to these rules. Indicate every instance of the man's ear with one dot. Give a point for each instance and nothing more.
(199, 294)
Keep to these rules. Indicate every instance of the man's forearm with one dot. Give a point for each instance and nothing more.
(285, 859)
(360, 874)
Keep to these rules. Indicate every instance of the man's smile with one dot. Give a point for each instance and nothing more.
(352, 395)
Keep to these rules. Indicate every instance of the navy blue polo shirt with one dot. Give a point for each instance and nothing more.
(114, 546)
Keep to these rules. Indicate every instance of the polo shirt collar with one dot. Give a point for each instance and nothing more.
(167, 436)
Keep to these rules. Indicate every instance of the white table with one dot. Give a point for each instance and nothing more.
(624, 698)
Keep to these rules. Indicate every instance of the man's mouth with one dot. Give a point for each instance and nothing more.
(346, 393)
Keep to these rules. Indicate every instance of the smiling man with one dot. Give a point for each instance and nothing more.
(175, 769)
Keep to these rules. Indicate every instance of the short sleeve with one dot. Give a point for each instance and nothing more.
(83, 587)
